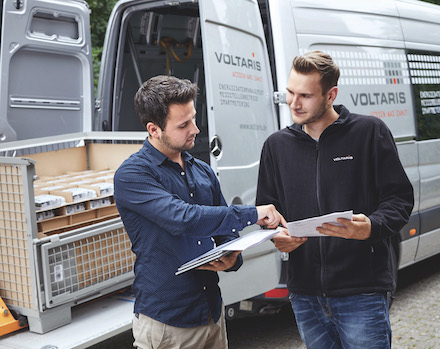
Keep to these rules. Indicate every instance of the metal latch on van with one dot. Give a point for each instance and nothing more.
(279, 97)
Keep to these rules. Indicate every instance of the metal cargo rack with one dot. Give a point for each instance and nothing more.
(42, 278)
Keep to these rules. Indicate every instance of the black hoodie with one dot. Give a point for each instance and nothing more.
(354, 166)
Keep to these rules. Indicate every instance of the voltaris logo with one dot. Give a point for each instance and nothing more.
(238, 61)
(343, 158)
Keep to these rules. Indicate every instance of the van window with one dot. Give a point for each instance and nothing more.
(45, 25)
(425, 77)
(375, 81)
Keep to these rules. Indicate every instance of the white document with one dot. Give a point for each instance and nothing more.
(239, 244)
(307, 227)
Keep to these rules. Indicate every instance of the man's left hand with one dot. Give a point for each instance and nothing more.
(359, 228)
(223, 263)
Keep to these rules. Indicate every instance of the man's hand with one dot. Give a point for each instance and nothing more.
(286, 243)
(270, 217)
(223, 263)
(359, 228)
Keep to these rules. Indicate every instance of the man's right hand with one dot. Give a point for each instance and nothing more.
(286, 243)
(270, 217)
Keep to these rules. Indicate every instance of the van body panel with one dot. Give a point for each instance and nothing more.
(423, 55)
(429, 243)
(409, 156)
(240, 108)
(429, 167)
(408, 251)
(419, 17)
(285, 49)
(46, 41)
(241, 115)
(424, 62)
(349, 20)
(375, 7)
(408, 153)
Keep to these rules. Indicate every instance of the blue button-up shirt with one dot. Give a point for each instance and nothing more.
(173, 215)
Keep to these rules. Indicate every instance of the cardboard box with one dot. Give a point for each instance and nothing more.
(66, 222)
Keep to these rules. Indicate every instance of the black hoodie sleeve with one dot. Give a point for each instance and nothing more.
(395, 192)
(266, 189)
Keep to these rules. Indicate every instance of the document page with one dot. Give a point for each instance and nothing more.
(239, 244)
(307, 227)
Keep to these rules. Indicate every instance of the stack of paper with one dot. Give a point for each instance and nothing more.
(307, 227)
(239, 244)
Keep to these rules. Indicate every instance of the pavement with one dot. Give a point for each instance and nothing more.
(415, 313)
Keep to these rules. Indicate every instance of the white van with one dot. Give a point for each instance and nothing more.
(239, 52)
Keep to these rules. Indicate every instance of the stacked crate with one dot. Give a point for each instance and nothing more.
(72, 200)
(62, 241)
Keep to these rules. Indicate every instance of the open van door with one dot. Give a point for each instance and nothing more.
(46, 69)
(241, 115)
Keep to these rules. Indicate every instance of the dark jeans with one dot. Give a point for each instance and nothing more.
(359, 321)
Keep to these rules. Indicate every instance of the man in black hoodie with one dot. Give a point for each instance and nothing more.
(331, 160)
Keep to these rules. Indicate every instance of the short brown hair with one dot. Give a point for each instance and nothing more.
(318, 61)
(154, 97)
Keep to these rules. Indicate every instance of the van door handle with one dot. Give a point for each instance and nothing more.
(216, 146)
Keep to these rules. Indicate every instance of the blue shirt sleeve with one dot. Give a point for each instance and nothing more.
(144, 194)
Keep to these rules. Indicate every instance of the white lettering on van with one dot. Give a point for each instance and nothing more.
(430, 102)
(431, 110)
(429, 94)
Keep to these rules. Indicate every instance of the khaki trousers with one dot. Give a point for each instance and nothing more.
(151, 334)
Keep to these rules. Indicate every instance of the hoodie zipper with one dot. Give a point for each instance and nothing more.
(318, 194)
(318, 197)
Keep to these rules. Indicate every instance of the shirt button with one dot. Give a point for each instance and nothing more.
(204, 288)
(249, 223)
(182, 173)
(233, 230)
(191, 194)
(199, 242)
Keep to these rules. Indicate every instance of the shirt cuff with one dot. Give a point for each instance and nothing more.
(247, 215)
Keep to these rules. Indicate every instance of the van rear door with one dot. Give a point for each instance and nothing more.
(46, 69)
(241, 115)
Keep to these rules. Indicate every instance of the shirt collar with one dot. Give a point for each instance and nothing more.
(157, 158)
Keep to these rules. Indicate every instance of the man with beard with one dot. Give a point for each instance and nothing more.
(331, 160)
(173, 210)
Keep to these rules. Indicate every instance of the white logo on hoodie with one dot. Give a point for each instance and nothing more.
(343, 158)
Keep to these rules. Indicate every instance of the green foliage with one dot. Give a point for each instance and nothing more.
(437, 2)
(101, 10)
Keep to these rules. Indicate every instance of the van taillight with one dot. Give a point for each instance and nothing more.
(277, 293)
